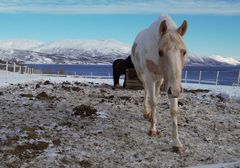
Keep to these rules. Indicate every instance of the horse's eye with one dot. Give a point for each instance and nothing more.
(184, 52)
(160, 52)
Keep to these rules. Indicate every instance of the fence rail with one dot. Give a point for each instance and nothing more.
(200, 80)
(216, 77)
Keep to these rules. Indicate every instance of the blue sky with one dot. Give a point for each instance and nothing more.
(214, 25)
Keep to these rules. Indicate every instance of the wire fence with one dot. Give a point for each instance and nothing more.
(200, 77)
(212, 77)
(18, 68)
(188, 76)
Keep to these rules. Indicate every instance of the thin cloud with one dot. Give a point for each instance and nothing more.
(227, 7)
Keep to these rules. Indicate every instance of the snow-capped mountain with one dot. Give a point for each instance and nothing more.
(194, 59)
(92, 46)
(84, 52)
(64, 51)
(19, 44)
(225, 60)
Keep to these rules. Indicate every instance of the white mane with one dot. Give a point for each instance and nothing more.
(154, 27)
(151, 36)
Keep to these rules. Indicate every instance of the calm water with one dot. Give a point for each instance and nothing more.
(227, 76)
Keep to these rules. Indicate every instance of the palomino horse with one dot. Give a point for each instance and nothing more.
(158, 55)
(119, 68)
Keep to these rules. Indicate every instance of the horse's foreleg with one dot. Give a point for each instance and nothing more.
(177, 145)
(150, 88)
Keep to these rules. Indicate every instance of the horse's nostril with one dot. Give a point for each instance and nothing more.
(169, 91)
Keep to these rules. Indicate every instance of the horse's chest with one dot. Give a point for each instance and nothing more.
(153, 67)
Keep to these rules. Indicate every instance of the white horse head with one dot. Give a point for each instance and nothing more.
(172, 53)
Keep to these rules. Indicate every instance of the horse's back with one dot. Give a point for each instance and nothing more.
(142, 48)
(128, 63)
(118, 61)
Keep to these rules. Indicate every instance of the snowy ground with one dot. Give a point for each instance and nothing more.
(232, 92)
(7, 78)
(43, 130)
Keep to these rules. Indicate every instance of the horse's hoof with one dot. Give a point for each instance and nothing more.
(117, 87)
(153, 133)
(179, 150)
(147, 116)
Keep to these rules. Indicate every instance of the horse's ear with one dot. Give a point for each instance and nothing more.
(163, 28)
(183, 28)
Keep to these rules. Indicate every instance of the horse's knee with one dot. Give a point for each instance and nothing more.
(153, 103)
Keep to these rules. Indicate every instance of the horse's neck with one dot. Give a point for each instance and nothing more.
(154, 29)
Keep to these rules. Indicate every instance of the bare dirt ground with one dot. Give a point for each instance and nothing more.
(90, 125)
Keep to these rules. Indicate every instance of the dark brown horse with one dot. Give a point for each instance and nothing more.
(119, 68)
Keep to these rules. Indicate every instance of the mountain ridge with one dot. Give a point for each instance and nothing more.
(84, 52)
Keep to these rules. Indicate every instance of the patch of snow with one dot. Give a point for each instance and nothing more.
(232, 92)
(7, 78)
(5, 133)
(51, 153)
(228, 60)
(102, 114)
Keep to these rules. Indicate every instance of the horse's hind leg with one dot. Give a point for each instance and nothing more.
(147, 108)
(177, 145)
(116, 77)
(158, 86)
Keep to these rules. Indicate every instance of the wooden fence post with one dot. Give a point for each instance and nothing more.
(6, 66)
(217, 77)
(238, 79)
(200, 76)
(14, 67)
(186, 76)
